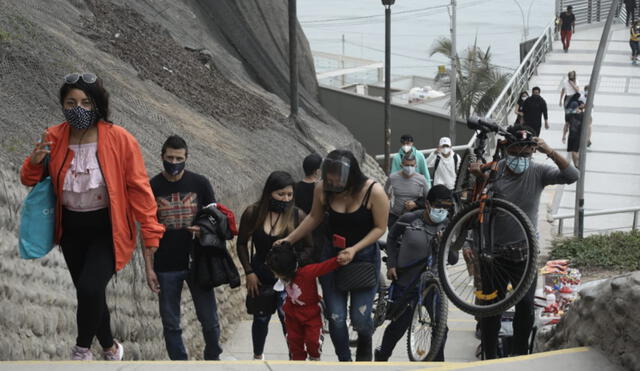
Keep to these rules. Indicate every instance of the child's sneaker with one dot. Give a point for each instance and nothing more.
(114, 355)
(81, 354)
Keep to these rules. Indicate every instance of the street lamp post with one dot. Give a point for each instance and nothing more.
(453, 74)
(578, 227)
(387, 82)
(293, 60)
(525, 19)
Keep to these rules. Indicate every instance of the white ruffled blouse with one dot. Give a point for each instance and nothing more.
(84, 188)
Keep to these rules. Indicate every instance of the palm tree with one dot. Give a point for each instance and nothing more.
(479, 82)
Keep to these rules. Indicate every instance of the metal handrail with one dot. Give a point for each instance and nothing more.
(499, 110)
(623, 210)
(501, 107)
(590, 11)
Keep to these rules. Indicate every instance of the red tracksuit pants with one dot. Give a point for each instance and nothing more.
(304, 330)
(565, 36)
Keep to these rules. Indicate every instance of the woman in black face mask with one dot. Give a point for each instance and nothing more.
(356, 209)
(271, 218)
(101, 188)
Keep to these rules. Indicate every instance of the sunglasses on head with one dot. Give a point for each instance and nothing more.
(74, 77)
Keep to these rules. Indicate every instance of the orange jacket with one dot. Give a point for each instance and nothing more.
(126, 179)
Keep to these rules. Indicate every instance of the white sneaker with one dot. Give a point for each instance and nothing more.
(81, 354)
(258, 358)
(115, 355)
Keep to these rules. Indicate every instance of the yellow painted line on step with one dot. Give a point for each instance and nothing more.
(430, 366)
(247, 362)
(460, 366)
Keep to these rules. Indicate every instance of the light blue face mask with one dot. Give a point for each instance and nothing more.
(438, 215)
(518, 164)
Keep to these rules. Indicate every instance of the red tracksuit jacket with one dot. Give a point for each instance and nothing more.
(302, 314)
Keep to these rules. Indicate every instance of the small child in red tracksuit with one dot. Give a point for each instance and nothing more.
(302, 314)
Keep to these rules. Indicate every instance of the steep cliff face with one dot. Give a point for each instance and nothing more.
(214, 72)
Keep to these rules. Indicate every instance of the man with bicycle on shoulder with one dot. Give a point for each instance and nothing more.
(520, 181)
(409, 249)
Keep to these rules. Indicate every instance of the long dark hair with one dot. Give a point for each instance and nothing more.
(356, 179)
(276, 180)
(96, 92)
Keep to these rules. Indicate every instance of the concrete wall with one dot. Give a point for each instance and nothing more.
(364, 117)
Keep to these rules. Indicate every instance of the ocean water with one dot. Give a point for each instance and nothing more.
(416, 24)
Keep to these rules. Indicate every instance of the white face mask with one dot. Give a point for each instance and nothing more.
(409, 170)
(406, 148)
(446, 150)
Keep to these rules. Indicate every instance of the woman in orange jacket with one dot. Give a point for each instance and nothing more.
(101, 185)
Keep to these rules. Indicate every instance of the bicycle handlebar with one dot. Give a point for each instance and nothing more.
(483, 124)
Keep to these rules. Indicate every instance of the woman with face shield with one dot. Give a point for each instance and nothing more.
(357, 209)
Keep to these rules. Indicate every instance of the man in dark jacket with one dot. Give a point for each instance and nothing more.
(180, 194)
(533, 108)
(630, 6)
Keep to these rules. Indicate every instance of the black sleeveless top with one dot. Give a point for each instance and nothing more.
(262, 243)
(352, 226)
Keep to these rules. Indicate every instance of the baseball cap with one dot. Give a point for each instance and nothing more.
(445, 141)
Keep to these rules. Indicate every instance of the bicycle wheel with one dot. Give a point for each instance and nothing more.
(428, 324)
(464, 181)
(479, 283)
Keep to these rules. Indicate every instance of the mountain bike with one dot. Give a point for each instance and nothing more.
(482, 284)
(425, 297)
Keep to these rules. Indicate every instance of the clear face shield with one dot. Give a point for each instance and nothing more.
(335, 174)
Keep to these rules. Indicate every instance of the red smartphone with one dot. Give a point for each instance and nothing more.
(339, 241)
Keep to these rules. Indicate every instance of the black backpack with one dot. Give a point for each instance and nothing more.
(456, 158)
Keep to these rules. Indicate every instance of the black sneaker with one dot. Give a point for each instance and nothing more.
(378, 356)
(363, 349)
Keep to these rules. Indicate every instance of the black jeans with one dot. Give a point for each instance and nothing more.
(87, 246)
(260, 326)
(524, 316)
(635, 48)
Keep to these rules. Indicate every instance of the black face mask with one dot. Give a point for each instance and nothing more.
(173, 169)
(278, 206)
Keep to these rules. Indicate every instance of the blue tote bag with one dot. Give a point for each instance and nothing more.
(37, 219)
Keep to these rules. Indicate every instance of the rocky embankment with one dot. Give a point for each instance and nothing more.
(606, 317)
(215, 72)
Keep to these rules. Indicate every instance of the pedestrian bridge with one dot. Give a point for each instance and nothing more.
(613, 160)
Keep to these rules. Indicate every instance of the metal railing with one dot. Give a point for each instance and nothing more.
(519, 81)
(506, 101)
(634, 226)
(590, 11)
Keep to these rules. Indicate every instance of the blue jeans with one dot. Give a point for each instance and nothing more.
(360, 311)
(260, 326)
(206, 310)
